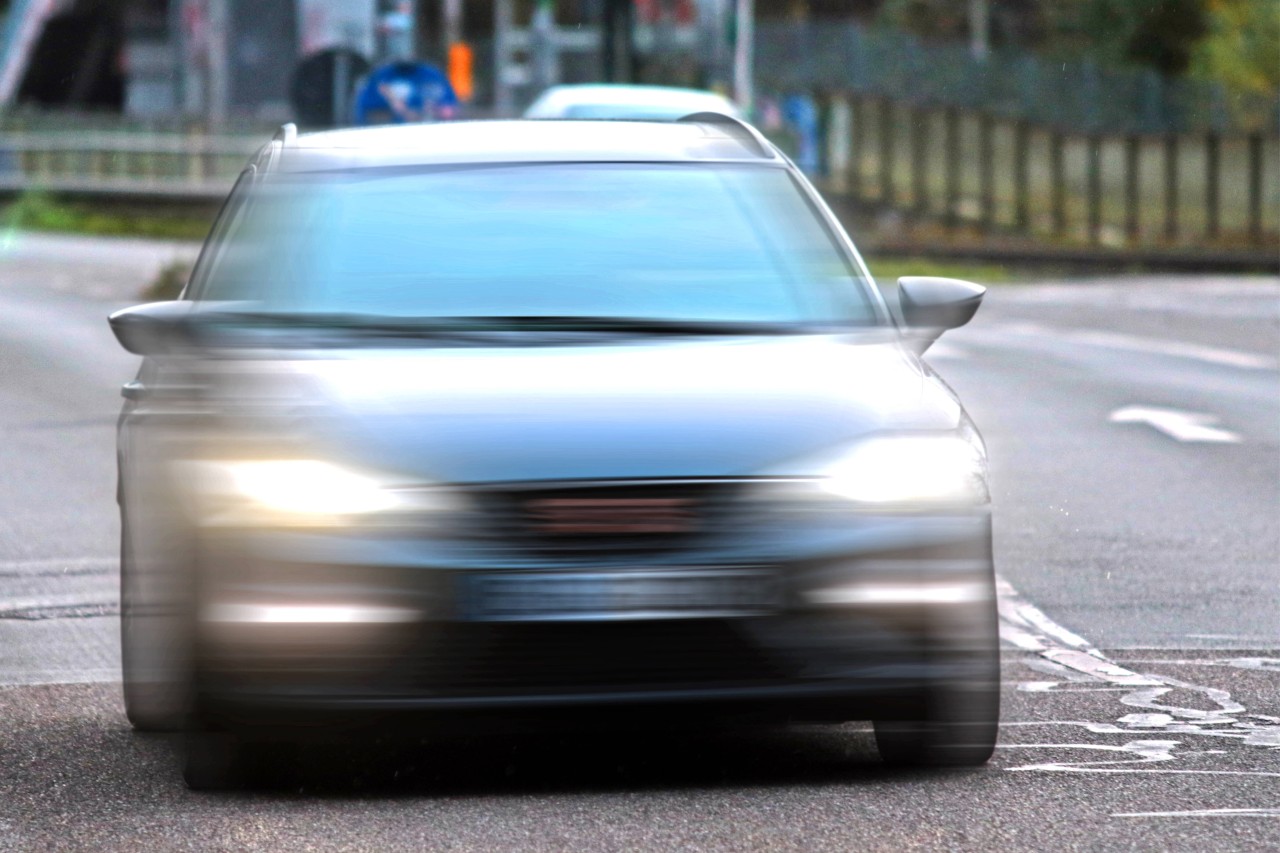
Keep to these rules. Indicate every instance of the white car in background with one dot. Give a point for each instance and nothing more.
(624, 101)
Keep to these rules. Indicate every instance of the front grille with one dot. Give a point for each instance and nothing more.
(497, 659)
(593, 518)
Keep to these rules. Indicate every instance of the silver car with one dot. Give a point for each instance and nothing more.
(576, 419)
(627, 101)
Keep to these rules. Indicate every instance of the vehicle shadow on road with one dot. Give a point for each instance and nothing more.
(71, 743)
(579, 762)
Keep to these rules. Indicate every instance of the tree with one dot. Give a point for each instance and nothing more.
(1242, 48)
(1161, 35)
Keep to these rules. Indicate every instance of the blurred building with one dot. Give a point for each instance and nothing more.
(218, 59)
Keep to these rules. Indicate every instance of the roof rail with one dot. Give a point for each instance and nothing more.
(286, 135)
(738, 129)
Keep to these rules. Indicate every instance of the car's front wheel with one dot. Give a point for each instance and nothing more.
(949, 728)
(955, 721)
(154, 648)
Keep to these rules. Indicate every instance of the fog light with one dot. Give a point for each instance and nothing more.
(296, 614)
(888, 594)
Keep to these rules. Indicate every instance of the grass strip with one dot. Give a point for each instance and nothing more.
(36, 210)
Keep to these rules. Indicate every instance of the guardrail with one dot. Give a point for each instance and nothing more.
(195, 166)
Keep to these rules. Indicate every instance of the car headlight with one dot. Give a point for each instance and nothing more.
(297, 493)
(308, 487)
(909, 470)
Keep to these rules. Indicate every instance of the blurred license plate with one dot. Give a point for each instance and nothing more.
(606, 595)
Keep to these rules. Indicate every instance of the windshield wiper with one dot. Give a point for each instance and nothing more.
(429, 326)
(590, 323)
(370, 324)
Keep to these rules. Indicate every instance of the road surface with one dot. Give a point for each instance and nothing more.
(1134, 428)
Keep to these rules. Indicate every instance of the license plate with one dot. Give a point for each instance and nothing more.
(621, 594)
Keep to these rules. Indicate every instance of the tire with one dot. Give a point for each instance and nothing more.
(951, 729)
(153, 655)
(952, 723)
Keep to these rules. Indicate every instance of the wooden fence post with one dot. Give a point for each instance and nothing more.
(1093, 159)
(987, 170)
(886, 152)
(1057, 179)
(1171, 187)
(1021, 172)
(1131, 183)
(857, 114)
(1255, 188)
(919, 160)
(952, 143)
(1212, 191)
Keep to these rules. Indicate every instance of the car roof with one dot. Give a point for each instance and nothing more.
(473, 142)
(558, 98)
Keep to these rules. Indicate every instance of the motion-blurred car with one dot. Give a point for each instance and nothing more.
(626, 101)
(495, 418)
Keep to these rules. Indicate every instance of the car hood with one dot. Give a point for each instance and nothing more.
(718, 407)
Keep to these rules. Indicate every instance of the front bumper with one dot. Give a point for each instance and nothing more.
(374, 624)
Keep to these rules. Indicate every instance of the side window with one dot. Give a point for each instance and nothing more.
(233, 209)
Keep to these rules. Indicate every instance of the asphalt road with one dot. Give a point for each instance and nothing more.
(1134, 427)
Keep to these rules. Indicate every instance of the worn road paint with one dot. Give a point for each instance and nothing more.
(74, 609)
(1264, 664)
(1179, 349)
(58, 566)
(1155, 346)
(1205, 813)
(1057, 648)
(1175, 423)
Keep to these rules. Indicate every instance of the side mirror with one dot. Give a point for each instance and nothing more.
(152, 329)
(932, 305)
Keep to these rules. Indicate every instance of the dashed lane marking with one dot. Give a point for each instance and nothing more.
(1156, 346)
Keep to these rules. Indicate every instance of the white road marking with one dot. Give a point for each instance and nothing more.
(58, 607)
(1158, 346)
(1205, 813)
(39, 677)
(1175, 423)
(1057, 648)
(1268, 664)
(55, 565)
(1199, 352)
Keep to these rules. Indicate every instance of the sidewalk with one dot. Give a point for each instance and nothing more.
(110, 269)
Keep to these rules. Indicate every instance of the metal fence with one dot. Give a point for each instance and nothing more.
(978, 171)
(1013, 84)
(966, 171)
(179, 165)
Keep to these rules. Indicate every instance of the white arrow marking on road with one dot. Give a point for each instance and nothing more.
(1183, 426)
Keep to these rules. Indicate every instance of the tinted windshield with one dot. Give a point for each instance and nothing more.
(674, 241)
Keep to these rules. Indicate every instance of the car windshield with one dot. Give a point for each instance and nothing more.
(659, 241)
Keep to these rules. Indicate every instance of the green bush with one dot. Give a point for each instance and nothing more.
(37, 210)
